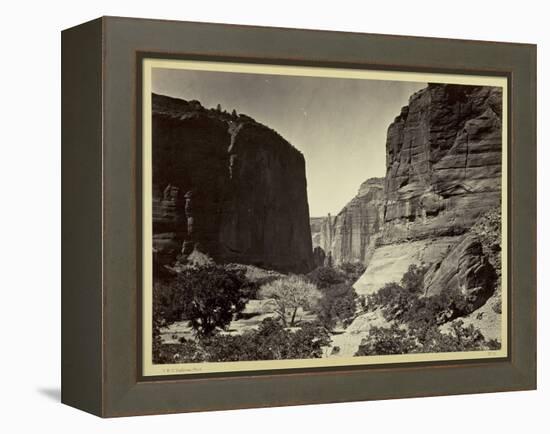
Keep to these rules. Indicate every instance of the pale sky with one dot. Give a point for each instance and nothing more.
(338, 124)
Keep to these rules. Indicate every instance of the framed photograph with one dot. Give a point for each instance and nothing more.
(259, 217)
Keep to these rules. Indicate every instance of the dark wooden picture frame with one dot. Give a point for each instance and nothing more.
(101, 231)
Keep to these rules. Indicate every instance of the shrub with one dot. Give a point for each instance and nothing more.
(383, 341)
(403, 340)
(207, 296)
(270, 342)
(338, 303)
(288, 294)
(352, 270)
(460, 339)
(417, 319)
(184, 352)
(404, 304)
(324, 277)
(413, 279)
(394, 300)
(339, 300)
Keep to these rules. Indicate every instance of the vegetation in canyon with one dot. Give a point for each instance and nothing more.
(412, 264)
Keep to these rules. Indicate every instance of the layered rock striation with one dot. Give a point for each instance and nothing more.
(350, 236)
(443, 162)
(443, 173)
(316, 224)
(440, 208)
(227, 186)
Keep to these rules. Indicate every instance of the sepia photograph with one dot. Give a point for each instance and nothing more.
(310, 217)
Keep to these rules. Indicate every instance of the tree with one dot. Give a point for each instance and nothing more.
(413, 279)
(397, 339)
(337, 304)
(271, 341)
(384, 341)
(207, 296)
(352, 270)
(289, 294)
(323, 277)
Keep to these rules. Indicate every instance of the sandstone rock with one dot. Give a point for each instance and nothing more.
(465, 269)
(390, 262)
(443, 164)
(316, 225)
(229, 187)
(487, 319)
(443, 169)
(199, 259)
(350, 236)
(443, 174)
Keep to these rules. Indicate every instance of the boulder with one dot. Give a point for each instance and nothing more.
(466, 270)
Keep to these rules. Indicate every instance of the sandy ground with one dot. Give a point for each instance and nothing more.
(349, 340)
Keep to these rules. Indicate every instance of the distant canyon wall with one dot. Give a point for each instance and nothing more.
(443, 174)
(228, 187)
(350, 235)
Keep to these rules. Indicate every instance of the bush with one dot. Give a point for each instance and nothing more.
(395, 301)
(288, 294)
(417, 320)
(413, 279)
(460, 339)
(404, 304)
(184, 352)
(339, 300)
(323, 277)
(207, 296)
(352, 270)
(404, 340)
(338, 303)
(383, 341)
(270, 342)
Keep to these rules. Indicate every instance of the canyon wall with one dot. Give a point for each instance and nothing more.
(350, 235)
(228, 187)
(440, 208)
(443, 173)
(443, 162)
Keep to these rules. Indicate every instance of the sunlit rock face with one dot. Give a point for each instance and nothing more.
(443, 161)
(227, 186)
(350, 235)
(443, 173)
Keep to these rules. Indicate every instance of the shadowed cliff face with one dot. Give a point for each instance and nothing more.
(229, 187)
